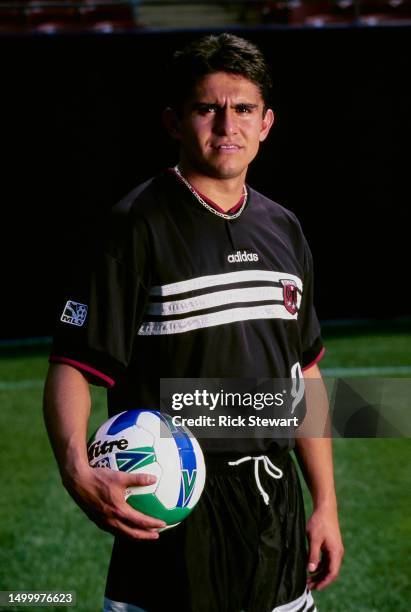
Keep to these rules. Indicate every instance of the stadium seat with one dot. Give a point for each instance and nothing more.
(52, 19)
(380, 12)
(298, 12)
(331, 12)
(106, 17)
(49, 16)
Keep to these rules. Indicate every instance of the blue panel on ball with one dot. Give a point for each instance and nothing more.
(124, 420)
(188, 477)
(188, 460)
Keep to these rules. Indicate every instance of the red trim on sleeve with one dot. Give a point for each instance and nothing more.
(316, 360)
(82, 366)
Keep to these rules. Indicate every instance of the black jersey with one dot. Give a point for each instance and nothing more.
(176, 291)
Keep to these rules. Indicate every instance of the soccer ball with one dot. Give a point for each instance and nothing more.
(146, 441)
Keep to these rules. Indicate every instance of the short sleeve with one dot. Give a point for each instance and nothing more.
(102, 302)
(310, 331)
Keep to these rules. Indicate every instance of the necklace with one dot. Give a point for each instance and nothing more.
(207, 206)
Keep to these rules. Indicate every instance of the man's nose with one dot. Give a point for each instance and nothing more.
(226, 121)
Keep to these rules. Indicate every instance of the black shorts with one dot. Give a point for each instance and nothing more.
(233, 553)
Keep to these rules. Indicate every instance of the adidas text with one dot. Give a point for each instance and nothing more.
(241, 256)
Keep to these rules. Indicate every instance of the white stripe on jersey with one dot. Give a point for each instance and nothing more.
(218, 298)
(241, 276)
(306, 600)
(179, 326)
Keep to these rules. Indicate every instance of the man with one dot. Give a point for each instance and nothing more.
(168, 297)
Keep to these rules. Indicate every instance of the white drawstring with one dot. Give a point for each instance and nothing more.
(267, 465)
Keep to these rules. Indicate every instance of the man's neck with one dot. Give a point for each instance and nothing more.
(226, 193)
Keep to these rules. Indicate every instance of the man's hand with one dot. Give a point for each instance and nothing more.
(325, 548)
(315, 458)
(100, 493)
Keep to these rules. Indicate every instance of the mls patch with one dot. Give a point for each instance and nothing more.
(74, 313)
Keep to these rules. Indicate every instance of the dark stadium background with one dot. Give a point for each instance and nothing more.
(81, 126)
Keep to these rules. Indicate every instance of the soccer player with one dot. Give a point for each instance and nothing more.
(200, 276)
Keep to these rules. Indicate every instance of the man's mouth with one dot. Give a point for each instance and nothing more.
(227, 147)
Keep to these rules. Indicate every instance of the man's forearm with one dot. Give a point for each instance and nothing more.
(99, 492)
(314, 453)
(67, 408)
(315, 458)
(314, 446)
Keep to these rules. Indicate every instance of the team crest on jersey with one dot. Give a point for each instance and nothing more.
(290, 295)
(74, 313)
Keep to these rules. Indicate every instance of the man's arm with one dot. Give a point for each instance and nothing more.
(315, 458)
(99, 492)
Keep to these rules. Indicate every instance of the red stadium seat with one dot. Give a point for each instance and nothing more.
(59, 16)
(298, 12)
(52, 19)
(391, 12)
(326, 13)
(106, 16)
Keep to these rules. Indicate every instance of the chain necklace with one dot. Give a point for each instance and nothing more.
(204, 203)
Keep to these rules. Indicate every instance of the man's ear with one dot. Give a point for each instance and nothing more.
(267, 123)
(171, 122)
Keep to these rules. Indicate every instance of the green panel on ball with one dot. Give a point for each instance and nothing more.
(150, 505)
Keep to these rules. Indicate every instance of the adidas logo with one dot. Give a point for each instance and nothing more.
(241, 256)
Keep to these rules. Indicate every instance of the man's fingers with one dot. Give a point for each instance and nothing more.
(136, 534)
(334, 558)
(108, 508)
(123, 479)
(134, 518)
(328, 570)
(318, 576)
(140, 480)
(324, 579)
(117, 528)
(314, 555)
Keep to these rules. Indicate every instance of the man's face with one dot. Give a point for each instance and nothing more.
(222, 125)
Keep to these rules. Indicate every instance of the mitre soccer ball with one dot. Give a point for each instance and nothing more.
(147, 442)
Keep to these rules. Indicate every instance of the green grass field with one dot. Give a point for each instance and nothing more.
(48, 544)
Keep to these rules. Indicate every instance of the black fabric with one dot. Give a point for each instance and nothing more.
(113, 285)
(232, 553)
(159, 236)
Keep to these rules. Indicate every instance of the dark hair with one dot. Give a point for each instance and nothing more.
(209, 54)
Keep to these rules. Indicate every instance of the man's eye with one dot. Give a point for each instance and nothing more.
(243, 109)
(204, 110)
